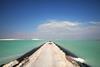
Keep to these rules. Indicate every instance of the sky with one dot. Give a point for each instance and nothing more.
(50, 19)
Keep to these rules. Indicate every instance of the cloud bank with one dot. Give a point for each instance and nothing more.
(63, 30)
(68, 30)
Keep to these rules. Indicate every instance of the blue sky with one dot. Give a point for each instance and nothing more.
(22, 18)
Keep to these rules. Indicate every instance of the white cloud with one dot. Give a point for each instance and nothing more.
(57, 26)
(68, 30)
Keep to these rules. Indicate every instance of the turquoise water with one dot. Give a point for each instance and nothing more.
(10, 50)
(88, 50)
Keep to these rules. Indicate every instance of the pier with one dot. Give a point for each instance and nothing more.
(47, 55)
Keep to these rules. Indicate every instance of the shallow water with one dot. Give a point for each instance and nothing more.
(86, 49)
(10, 50)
